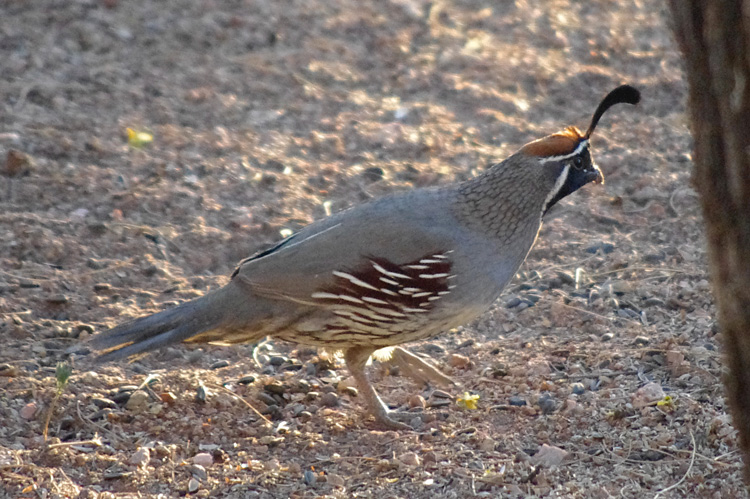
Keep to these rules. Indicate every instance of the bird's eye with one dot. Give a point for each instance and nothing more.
(578, 162)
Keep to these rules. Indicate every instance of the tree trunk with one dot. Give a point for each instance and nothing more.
(715, 39)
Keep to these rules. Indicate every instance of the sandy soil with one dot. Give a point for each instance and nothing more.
(598, 372)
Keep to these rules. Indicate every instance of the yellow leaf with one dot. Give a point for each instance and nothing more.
(667, 401)
(468, 401)
(138, 139)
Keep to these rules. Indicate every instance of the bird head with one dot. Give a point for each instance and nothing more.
(566, 155)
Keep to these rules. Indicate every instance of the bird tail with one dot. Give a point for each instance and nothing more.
(219, 309)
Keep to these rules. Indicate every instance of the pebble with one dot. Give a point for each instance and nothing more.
(266, 399)
(458, 361)
(277, 360)
(547, 403)
(203, 459)
(219, 364)
(8, 371)
(201, 394)
(578, 388)
(513, 302)
(309, 477)
(276, 388)
(373, 174)
(350, 390)
(641, 341)
(246, 380)
(548, 456)
(168, 397)
(193, 485)
(607, 337)
(517, 401)
(605, 248)
(329, 399)
(335, 480)
(29, 410)
(141, 457)
(648, 394)
(137, 402)
(103, 403)
(409, 459)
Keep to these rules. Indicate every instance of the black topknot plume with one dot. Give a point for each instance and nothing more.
(622, 94)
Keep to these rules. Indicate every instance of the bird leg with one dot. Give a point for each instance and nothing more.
(418, 369)
(356, 359)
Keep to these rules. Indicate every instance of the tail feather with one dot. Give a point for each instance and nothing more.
(215, 310)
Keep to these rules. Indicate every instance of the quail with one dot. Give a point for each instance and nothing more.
(401, 268)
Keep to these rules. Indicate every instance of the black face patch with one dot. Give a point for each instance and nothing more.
(580, 171)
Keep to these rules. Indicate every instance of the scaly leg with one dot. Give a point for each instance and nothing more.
(356, 360)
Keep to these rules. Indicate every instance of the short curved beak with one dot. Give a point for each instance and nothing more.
(595, 175)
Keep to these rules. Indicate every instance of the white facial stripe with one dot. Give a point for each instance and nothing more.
(577, 151)
(558, 185)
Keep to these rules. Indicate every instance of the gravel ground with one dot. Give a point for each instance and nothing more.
(597, 374)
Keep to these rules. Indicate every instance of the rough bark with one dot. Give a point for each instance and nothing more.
(715, 40)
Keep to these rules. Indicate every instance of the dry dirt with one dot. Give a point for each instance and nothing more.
(266, 116)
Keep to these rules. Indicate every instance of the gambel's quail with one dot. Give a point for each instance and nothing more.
(401, 268)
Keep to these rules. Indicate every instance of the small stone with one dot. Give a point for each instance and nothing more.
(219, 364)
(201, 394)
(329, 399)
(607, 337)
(104, 403)
(604, 248)
(409, 459)
(198, 471)
(548, 456)
(373, 174)
(577, 388)
(487, 444)
(246, 380)
(277, 360)
(350, 390)
(141, 457)
(458, 361)
(517, 401)
(547, 403)
(513, 302)
(648, 394)
(29, 410)
(137, 402)
(203, 459)
(168, 397)
(335, 480)
(193, 485)
(641, 341)
(309, 477)
(17, 163)
(276, 388)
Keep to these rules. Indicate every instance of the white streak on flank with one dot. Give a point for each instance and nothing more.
(558, 185)
(378, 301)
(394, 275)
(412, 290)
(389, 281)
(388, 292)
(452, 286)
(354, 280)
(433, 298)
(387, 311)
(373, 315)
(433, 276)
(575, 152)
(420, 295)
(325, 296)
(414, 310)
(418, 267)
(442, 293)
(429, 261)
(351, 299)
(353, 316)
